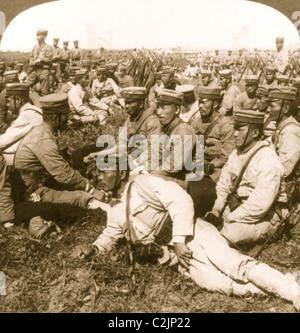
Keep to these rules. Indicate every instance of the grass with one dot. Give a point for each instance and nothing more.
(42, 276)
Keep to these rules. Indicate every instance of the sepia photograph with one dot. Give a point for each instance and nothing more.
(149, 159)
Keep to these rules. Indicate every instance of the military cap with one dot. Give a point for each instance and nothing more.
(262, 91)
(187, 90)
(206, 72)
(168, 96)
(17, 89)
(81, 72)
(73, 70)
(279, 39)
(283, 93)
(95, 62)
(248, 117)
(2, 64)
(282, 78)
(158, 75)
(296, 82)
(168, 70)
(112, 65)
(66, 43)
(75, 41)
(56, 39)
(251, 79)
(86, 63)
(271, 68)
(42, 32)
(225, 73)
(10, 76)
(101, 69)
(212, 93)
(122, 67)
(54, 103)
(101, 60)
(134, 93)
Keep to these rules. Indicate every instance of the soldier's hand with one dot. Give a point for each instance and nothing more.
(83, 251)
(183, 254)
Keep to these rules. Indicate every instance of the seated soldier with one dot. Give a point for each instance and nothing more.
(106, 90)
(217, 130)
(148, 204)
(151, 100)
(72, 80)
(38, 160)
(168, 78)
(247, 100)
(230, 92)
(287, 137)
(270, 77)
(190, 107)
(22, 74)
(125, 80)
(208, 80)
(248, 199)
(80, 104)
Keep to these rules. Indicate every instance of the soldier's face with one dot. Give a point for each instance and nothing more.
(40, 37)
(205, 106)
(274, 109)
(132, 107)
(167, 112)
(243, 137)
(251, 89)
(223, 82)
(84, 81)
(13, 105)
(101, 76)
(279, 45)
(166, 78)
(206, 80)
(262, 102)
(107, 179)
(270, 76)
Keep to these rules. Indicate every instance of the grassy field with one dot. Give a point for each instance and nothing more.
(42, 275)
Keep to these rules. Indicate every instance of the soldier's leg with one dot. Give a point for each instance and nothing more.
(32, 79)
(7, 211)
(44, 79)
(241, 268)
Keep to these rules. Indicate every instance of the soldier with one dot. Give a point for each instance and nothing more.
(105, 89)
(217, 130)
(216, 61)
(53, 80)
(124, 79)
(80, 103)
(230, 92)
(208, 80)
(281, 60)
(57, 58)
(190, 107)
(72, 80)
(247, 100)
(9, 77)
(196, 249)
(151, 101)
(40, 62)
(228, 62)
(111, 69)
(246, 199)
(22, 74)
(287, 136)
(65, 60)
(270, 77)
(168, 78)
(38, 159)
(76, 54)
(168, 108)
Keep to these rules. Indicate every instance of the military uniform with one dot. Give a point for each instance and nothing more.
(38, 159)
(255, 217)
(57, 59)
(40, 62)
(190, 110)
(243, 101)
(213, 266)
(229, 94)
(76, 55)
(281, 60)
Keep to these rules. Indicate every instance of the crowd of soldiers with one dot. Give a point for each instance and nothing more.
(247, 112)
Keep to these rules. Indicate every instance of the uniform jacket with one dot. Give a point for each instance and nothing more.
(38, 153)
(106, 88)
(228, 99)
(243, 102)
(281, 60)
(42, 51)
(29, 117)
(287, 144)
(78, 101)
(260, 184)
(151, 197)
(191, 113)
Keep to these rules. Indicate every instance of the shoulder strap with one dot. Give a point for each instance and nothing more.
(210, 127)
(142, 122)
(275, 136)
(244, 167)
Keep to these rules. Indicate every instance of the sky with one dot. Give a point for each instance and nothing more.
(121, 24)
